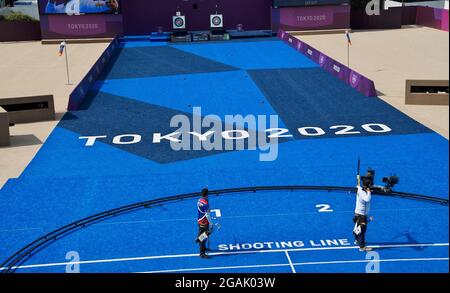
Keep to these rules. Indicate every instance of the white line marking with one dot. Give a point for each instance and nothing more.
(227, 253)
(218, 213)
(365, 260)
(290, 261)
(126, 223)
(215, 268)
(294, 264)
(21, 229)
(259, 216)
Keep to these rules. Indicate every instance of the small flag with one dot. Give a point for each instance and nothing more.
(347, 34)
(62, 46)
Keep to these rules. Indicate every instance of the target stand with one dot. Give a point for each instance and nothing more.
(180, 34)
(217, 28)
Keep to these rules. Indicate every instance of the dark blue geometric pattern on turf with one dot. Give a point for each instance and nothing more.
(158, 61)
(110, 115)
(67, 181)
(311, 97)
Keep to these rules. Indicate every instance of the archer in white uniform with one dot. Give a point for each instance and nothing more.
(363, 198)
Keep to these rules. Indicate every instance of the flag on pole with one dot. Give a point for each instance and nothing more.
(62, 46)
(347, 34)
(62, 50)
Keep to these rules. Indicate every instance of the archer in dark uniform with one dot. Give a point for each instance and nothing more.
(203, 221)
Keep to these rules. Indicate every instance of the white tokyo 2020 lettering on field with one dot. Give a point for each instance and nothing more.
(310, 131)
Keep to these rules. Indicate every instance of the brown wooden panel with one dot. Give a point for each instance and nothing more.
(412, 98)
(4, 128)
(29, 115)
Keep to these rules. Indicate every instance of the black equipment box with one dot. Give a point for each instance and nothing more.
(199, 37)
(181, 38)
(219, 37)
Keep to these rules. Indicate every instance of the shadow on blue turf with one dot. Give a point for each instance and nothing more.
(410, 240)
(69, 116)
(228, 254)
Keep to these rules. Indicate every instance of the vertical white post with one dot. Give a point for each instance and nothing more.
(347, 35)
(67, 64)
(348, 54)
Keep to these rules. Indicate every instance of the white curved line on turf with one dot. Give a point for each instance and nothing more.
(227, 253)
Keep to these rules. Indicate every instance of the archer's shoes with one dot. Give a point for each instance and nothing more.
(365, 249)
(204, 256)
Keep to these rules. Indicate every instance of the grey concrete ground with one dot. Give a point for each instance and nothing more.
(29, 68)
(389, 57)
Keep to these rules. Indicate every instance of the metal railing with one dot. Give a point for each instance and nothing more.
(18, 258)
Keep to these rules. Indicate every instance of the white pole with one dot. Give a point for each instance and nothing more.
(347, 35)
(67, 63)
(348, 54)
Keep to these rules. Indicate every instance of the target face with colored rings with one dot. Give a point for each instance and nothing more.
(217, 20)
(179, 22)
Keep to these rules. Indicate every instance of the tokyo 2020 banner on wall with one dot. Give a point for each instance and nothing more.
(311, 18)
(74, 19)
(302, 3)
(76, 7)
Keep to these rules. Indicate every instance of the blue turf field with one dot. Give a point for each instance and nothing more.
(144, 87)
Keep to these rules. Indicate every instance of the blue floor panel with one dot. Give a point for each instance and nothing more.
(295, 96)
(145, 86)
(218, 93)
(161, 239)
(146, 61)
(250, 55)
